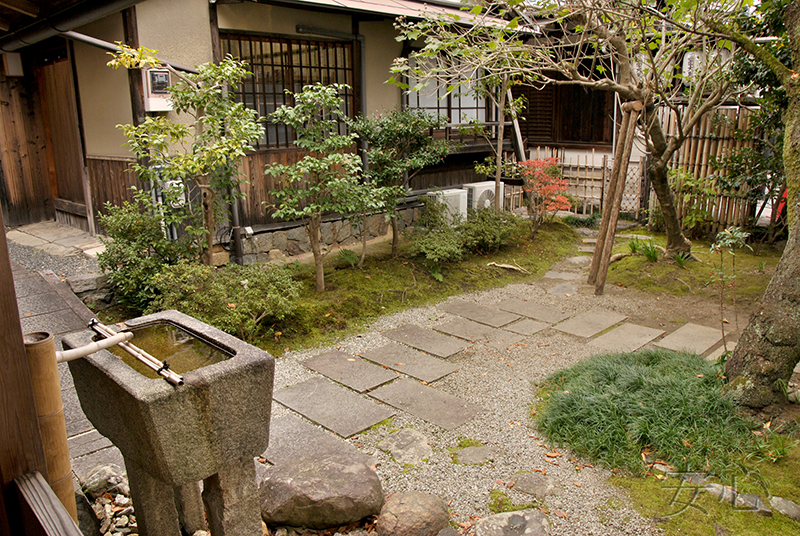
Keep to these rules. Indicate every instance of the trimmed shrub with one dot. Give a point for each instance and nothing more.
(241, 300)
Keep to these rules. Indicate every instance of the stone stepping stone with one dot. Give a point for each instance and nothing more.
(540, 486)
(479, 313)
(426, 340)
(474, 332)
(566, 276)
(691, 338)
(350, 371)
(590, 323)
(526, 327)
(411, 362)
(427, 403)
(38, 304)
(581, 260)
(563, 289)
(586, 249)
(476, 455)
(407, 447)
(291, 438)
(29, 286)
(625, 338)
(716, 354)
(533, 310)
(338, 409)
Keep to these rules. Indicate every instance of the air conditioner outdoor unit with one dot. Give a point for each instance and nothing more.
(481, 194)
(455, 199)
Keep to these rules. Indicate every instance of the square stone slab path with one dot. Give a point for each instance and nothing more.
(625, 338)
(479, 313)
(691, 338)
(290, 438)
(532, 310)
(590, 323)
(426, 340)
(411, 362)
(350, 371)
(475, 332)
(526, 327)
(427, 403)
(338, 409)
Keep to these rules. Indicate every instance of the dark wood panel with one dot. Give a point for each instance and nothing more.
(25, 192)
(61, 124)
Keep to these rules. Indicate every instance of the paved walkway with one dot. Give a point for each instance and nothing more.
(367, 388)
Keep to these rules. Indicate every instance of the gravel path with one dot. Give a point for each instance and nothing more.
(35, 259)
(504, 384)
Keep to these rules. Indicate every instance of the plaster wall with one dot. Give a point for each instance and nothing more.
(104, 94)
(380, 50)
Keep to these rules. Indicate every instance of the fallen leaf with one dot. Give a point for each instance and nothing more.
(699, 375)
(551, 462)
(350, 359)
(553, 354)
(578, 484)
(533, 412)
(560, 514)
(543, 344)
(511, 484)
(539, 443)
(499, 482)
(553, 454)
(327, 315)
(399, 364)
(686, 443)
(232, 305)
(367, 277)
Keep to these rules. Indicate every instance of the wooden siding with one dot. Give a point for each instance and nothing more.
(24, 189)
(110, 180)
(255, 209)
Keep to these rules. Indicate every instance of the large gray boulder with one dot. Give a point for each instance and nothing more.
(319, 492)
(412, 513)
(521, 523)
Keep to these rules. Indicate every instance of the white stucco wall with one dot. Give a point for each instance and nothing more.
(179, 29)
(104, 95)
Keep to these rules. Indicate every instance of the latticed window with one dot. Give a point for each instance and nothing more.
(459, 107)
(281, 63)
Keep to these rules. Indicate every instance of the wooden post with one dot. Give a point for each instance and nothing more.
(608, 195)
(632, 109)
(20, 443)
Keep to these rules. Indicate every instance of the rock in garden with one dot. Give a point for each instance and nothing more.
(407, 446)
(540, 486)
(748, 501)
(412, 513)
(476, 455)
(105, 478)
(319, 492)
(785, 507)
(521, 523)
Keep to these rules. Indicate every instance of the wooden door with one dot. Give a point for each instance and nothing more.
(66, 167)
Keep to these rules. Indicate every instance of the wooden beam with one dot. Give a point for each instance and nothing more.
(4, 25)
(131, 29)
(22, 6)
(51, 518)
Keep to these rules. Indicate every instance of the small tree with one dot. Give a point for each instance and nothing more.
(545, 188)
(399, 146)
(326, 179)
(207, 149)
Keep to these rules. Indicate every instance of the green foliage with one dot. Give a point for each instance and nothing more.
(241, 300)
(399, 144)
(325, 180)
(650, 251)
(727, 241)
(698, 196)
(349, 256)
(207, 150)
(486, 231)
(592, 221)
(136, 250)
(437, 245)
(612, 407)
(544, 187)
(680, 258)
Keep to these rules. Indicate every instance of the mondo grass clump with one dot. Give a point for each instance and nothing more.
(619, 409)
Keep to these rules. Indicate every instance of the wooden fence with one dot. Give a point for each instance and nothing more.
(110, 181)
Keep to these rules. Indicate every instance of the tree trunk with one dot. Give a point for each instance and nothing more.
(313, 230)
(764, 359)
(395, 236)
(676, 241)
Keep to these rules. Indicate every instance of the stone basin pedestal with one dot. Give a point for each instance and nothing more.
(172, 437)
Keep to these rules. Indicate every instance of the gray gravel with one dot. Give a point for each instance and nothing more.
(504, 383)
(35, 259)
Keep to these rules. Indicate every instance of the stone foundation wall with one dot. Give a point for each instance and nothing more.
(275, 245)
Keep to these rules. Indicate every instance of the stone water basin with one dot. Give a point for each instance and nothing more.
(208, 429)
